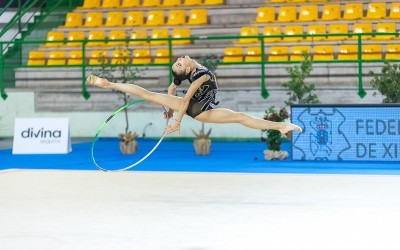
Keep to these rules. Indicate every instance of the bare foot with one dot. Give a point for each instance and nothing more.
(289, 127)
(97, 81)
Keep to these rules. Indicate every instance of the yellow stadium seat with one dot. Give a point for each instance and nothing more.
(308, 13)
(94, 19)
(323, 53)
(98, 57)
(121, 56)
(116, 35)
(155, 17)
(385, 28)
(55, 36)
(36, 58)
(134, 18)
(73, 19)
(248, 31)
(56, 58)
(75, 36)
(348, 52)
(130, 3)
(159, 33)
(319, 1)
(271, 31)
(162, 56)
(198, 17)
(171, 3)
(141, 56)
(316, 29)
(91, 4)
(338, 29)
(176, 17)
(213, 2)
(298, 51)
(151, 3)
(359, 28)
(376, 11)
(253, 54)
(353, 11)
(278, 1)
(181, 32)
(278, 53)
(96, 35)
(371, 52)
(138, 34)
(392, 52)
(265, 15)
(233, 54)
(75, 57)
(110, 4)
(293, 30)
(287, 14)
(192, 2)
(330, 12)
(114, 19)
(394, 10)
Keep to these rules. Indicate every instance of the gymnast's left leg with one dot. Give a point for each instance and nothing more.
(220, 115)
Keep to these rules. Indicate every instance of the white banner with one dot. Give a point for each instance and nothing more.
(41, 136)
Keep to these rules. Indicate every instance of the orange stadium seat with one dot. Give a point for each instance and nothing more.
(192, 2)
(316, 29)
(159, 33)
(98, 57)
(233, 54)
(178, 33)
(353, 11)
(75, 57)
(162, 56)
(138, 34)
(248, 31)
(110, 4)
(75, 36)
(253, 54)
(298, 51)
(91, 4)
(56, 58)
(151, 3)
(348, 52)
(96, 35)
(287, 14)
(265, 15)
(36, 58)
(130, 3)
(394, 10)
(55, 36)
(372, 52)
(330, 12)
(376, 11)
(73, 19)
(121, 56)
(385, 28)
(278, 53)
(392, 52)
(293, 30)
(359, 28)
(171, 3)
(213, 2)
(271, 31)
(114, 19)
(155, 18)
(308, 13)
(134, 18)
(323, 53)
(198, 17)
(116, 35)
(94, 19)
(176, 17)
(338, 29)
(141, 56)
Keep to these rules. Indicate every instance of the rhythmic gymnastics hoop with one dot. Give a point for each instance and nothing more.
(96, 137)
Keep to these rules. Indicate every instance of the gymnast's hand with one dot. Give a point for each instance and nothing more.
(97, 81)
(169, 114)
(176, 126)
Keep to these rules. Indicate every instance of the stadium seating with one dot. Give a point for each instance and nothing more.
(141, 56)
(315, 30)
(338, 29)
(138, 34)
(392, 52)
(73, 20)
(91, 4)
(297, 52)
(353, 11)
(96, 35)
(130, 3)
(213, 2)
(253, 54)
(114, 19)
(94, 19)
(178, 33)
(75, 57)
(385, 28)
(198, 17)
(348, 52)
(293, 30)
(308, 13)
(120, 56)
(98, 57)
(287, 14)
(162, 56)
(159, 33)
(265, 15)
(192, 2)
(134, 18)
(56, 58)
(394, 10)
(376, 11)
(248, 31)
(323, 53)
(36, 58)
(110, 4)
(176, 17)
(116, 35)
(330, 12)
(359, 28)
(233, 54)
(171, 3)
(372, 52)
(278, 54)
(55, 36)
(74, 36)
(151, 3)
(272, 31)
(155, 18)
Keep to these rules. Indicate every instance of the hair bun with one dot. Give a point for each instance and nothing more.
(177, 82)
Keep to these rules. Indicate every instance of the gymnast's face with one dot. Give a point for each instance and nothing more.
(182, 65)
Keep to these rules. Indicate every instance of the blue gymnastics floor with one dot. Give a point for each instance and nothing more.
(239, 157)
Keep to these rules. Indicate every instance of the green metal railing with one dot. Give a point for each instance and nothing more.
(263, 62)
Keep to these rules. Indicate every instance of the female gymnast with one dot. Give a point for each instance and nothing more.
(199, 101)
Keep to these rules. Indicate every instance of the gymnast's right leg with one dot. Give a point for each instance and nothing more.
(169, 101)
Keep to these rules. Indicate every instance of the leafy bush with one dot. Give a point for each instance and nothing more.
(388, 82)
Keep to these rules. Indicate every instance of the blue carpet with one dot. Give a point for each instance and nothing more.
(239, 157)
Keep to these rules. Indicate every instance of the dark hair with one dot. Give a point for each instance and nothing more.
(178, 78)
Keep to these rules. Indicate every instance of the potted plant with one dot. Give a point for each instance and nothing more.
(388, 82)
(121, 72)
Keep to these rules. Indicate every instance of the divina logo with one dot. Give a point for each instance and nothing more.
(41, 133)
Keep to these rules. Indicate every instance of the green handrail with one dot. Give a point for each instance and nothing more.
(6, 7)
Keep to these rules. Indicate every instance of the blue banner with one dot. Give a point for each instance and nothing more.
(356, 133)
